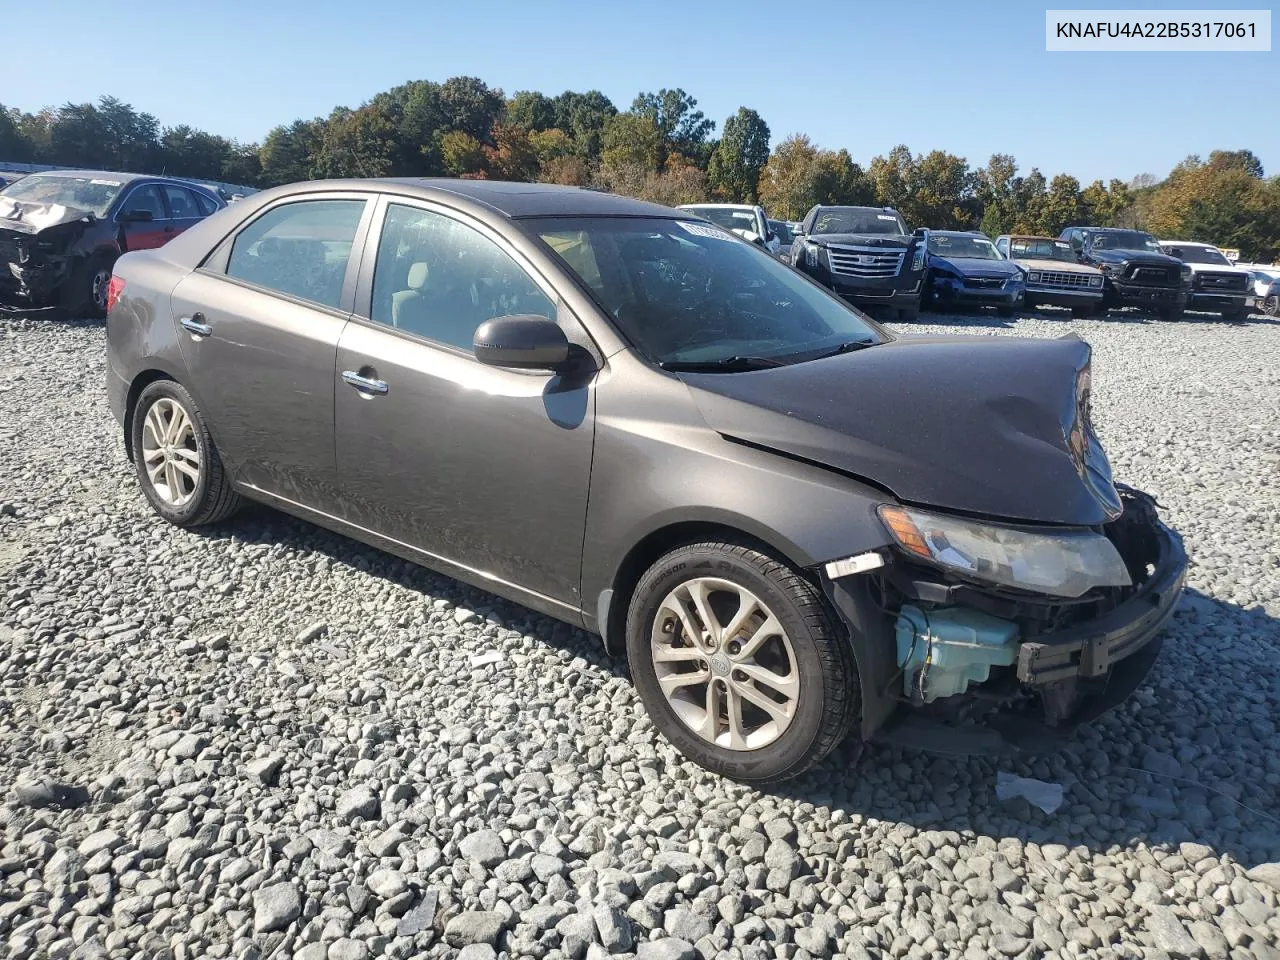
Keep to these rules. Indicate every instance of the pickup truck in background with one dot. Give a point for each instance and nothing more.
(1135, 271)
(1216, 285)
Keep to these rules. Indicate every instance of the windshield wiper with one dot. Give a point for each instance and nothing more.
(732, 364)
(847, 347)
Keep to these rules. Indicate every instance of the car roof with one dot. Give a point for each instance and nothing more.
(517, 200)
(724, 206)
(1029, 236)
(959, 233)
(1189, 243)
(94, 174)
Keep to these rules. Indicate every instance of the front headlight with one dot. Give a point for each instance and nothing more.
(1095, 281)
(1110, 269)
(1033, 277)
(1014, 281)
(1063, 564)
(811, 253)
(1187, 273)
(917, 262)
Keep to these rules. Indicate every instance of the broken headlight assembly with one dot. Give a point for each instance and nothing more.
(1067, 563)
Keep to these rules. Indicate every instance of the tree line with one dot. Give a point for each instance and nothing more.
(661, 148)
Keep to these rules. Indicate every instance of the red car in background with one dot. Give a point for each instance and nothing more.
(61, 232)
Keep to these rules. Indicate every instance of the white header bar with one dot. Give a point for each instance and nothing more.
(1158, 30)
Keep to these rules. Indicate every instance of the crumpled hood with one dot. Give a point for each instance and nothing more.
(1048, 264)
(975, 266)
(1136, 256)
(965, 423)
(860, 239)
(24, 217)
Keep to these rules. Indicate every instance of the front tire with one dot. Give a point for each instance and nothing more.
(85, 293)
(739, 663)
(1170, 313)
(178, 465)
(1006, 311)
(1271, 306)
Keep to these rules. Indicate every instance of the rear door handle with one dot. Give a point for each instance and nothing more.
(365, 384)
(196, 326)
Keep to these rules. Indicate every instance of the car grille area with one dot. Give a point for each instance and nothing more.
(1145, 273)
(1062, 278)
(1222, 282)
(984, 283)
(865, 262)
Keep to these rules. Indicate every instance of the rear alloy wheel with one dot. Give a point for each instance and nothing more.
(178, 466)
(738, 662)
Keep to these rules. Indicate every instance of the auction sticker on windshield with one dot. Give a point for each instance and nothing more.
(700, 230)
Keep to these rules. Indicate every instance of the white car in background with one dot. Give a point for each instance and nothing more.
(1264, 285)
(747, 221)
(1217, 285)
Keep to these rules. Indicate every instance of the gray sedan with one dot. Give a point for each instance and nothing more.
(792, 522)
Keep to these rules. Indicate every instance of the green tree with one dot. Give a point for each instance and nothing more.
(356, 143)
(462, 153)
(14, 147)
(471, 106)
(994, 194)
(531, 111)
(631, 140)
(287, 153)
(799, 175)
(940, 193)
(1062, 206)
(736, 161)
(681, 126)
(512, 156)
(583, 117)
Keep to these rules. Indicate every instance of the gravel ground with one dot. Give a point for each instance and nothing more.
(267, 741)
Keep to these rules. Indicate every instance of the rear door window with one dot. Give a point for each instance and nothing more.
(300, 249)
(205, 205)
(146, 198)
(182, 203)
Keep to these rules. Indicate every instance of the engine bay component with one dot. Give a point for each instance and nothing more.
(942, 651)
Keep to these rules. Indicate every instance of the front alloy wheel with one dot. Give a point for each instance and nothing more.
(725, 664)
(739, 661)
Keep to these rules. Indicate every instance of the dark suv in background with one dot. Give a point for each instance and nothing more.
(1136, 273)
(864, 254)
(62, 231)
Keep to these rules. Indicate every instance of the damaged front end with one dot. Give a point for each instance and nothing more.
(37, 244)
(978, 661)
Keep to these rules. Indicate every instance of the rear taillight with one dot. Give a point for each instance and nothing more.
(114, 289)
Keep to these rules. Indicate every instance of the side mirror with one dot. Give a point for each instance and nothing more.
(524, 341)
(919, 233)
(137, 216)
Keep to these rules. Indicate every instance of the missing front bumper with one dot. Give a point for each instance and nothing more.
(1058, 679)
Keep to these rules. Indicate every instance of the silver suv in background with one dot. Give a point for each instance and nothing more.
(746, 220)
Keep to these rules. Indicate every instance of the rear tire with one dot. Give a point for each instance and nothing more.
(703, 692)
(178, 465)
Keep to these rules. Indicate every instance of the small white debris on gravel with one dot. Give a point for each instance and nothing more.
(263, 740)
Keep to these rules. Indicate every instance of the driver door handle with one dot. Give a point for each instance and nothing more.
(196, 326)
(365, 384)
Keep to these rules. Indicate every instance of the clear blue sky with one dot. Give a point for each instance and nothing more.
(965, 76)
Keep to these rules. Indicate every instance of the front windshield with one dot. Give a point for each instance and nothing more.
(727, 217)
(1125, 240)
(685, 292)
(975, 248)
(1198, 255)
(858, 220)
(1041, 248)
(92, 194)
